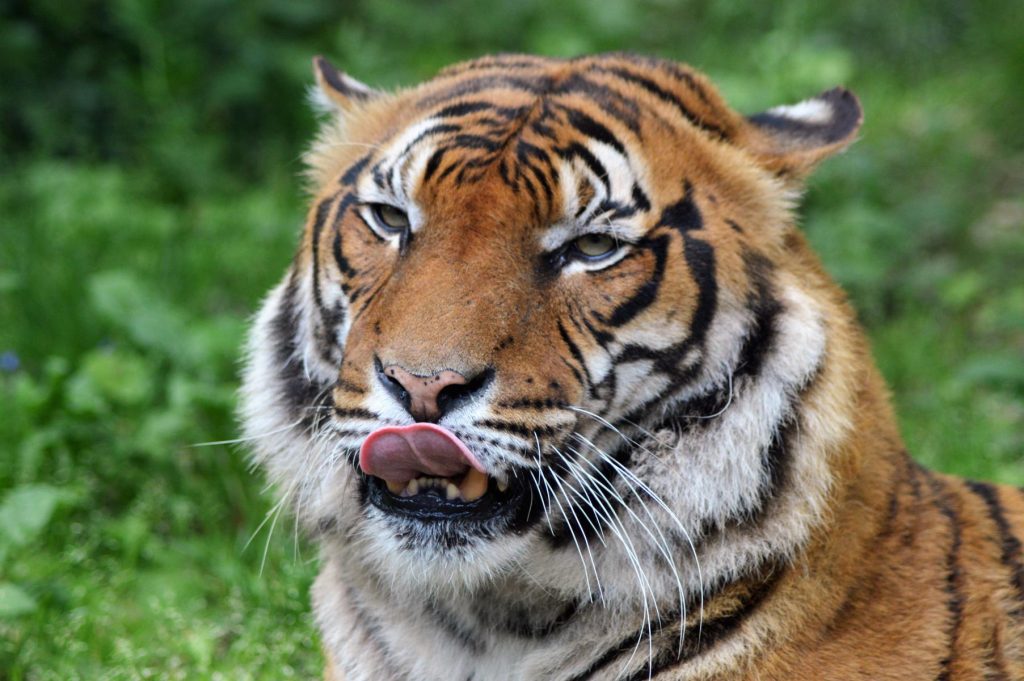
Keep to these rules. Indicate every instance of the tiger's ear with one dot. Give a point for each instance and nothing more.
(336, 91)
(791, 140)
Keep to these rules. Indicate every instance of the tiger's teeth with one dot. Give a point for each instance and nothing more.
(451, 491)
(473, 485)
(394, 487)
(412, 489)
(502, 485)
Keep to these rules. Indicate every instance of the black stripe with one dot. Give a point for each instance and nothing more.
(602, 338)
(644, 296)
(339, 258)
(576, 150)
(373, 633)
(700, 256)
(446, 621)
(712, 633)
(955, 598)
(323, 210)
(526, 432)
(1010, 546)
(611, 101)
(525, 625)
(524, 151)
(354, 412)
(533, 86)
(353, 171)
(575, 372)
(471, 141)
(665, 96)
(735, 227)
(298, 393)
(506, 175)
(765, 310)
(686, 77)
(643, 203)
(433, 162)
(439, 129)
(591, 128)
(533, 403)
(447, 171)
(913, 476)
(461, 109)
(574, 350)
(683, 215)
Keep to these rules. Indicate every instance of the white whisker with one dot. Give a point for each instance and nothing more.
(251, 438)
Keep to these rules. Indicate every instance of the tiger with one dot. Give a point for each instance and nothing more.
(560, 391)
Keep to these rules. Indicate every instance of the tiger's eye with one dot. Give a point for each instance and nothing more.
(390, 217)
(595, 245)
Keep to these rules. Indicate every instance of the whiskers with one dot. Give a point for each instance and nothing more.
(251, 438)
(620, 504)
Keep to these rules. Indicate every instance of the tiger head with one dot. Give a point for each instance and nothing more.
(551, 318)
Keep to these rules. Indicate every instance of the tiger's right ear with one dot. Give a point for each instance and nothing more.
(336, 91)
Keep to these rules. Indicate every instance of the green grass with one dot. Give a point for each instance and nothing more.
(149, 196)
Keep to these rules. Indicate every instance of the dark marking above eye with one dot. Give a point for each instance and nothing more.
(576, 150)
(735, 227)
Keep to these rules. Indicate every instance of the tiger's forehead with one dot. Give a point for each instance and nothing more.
(562, 133)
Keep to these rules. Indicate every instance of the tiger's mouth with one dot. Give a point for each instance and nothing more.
(424, 472)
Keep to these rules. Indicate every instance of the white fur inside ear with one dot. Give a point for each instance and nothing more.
(811, 111)
(320, 102)
(355, 87)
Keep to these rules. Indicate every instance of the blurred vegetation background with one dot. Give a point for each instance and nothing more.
(149, 195)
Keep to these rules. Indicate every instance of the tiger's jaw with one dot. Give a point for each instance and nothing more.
(424, 473)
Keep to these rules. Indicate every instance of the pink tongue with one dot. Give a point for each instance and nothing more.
(401, 453)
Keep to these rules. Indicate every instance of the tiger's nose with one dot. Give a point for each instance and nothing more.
(428, 398)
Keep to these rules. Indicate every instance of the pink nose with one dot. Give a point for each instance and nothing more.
(425, 400)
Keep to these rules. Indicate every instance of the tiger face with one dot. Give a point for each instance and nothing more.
(516, 282)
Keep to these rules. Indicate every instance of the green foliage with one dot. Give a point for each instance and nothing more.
(149, 197)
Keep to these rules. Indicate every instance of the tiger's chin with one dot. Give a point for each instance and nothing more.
(444, 558)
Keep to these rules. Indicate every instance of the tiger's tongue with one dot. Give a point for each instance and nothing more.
(400, 453)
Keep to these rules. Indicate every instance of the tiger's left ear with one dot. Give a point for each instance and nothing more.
(791, 140)
(337, 91)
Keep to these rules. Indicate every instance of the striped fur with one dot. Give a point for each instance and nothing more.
(716, 486)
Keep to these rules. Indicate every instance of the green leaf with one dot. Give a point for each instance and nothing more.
(14, 601)
(25, 512)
